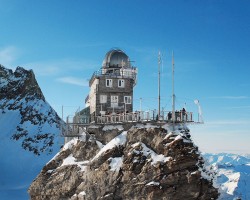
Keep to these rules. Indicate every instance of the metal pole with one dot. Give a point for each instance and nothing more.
(140, 113)
(159, 84)
(140, 104)
(173, 95)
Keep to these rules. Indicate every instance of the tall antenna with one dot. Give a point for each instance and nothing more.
(173, 95)
(159, 84)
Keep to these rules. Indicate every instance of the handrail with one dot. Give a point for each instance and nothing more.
(115, 72)
(137, 116)
(78, 124)
(145, 116)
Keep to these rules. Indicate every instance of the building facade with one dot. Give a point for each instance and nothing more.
(111, 87)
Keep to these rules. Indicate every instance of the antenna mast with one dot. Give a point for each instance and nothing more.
(173, 95)
(159, 84)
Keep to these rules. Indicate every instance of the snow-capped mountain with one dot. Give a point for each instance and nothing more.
(24, 113)
(29, 131)
(232, 175)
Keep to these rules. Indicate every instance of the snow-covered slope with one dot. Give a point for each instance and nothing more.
(24, 113)
(28, 127)
(233, 175)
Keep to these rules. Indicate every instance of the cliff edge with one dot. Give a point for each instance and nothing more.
(144, 162)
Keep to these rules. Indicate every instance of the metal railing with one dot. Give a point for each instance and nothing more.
(74, 130)
(138, 116)
(76, 125)
(143, 116)
(115, 73)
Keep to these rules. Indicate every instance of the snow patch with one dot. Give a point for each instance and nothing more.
(94, 126)
(116, 163)
(147, 126)
(99, 144)
(119, 140)
(83, 136)
(70, 160)
(232, 182)
(70, 144)
(168, 135)
(83, 193)
(178, 138)
(112, 127)
(149, 152)
(153, 183)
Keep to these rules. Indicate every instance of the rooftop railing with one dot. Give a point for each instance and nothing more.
(115, 73)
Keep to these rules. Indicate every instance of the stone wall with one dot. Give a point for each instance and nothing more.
(101, 89)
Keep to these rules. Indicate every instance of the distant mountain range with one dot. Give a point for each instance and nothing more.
(232, 175)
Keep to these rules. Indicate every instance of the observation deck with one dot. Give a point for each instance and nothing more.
(78, 124)
(115, 73)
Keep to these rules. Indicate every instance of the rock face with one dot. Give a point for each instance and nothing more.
(24, 113)
(144, 162)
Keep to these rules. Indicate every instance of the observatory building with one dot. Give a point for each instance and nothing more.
(111, 87)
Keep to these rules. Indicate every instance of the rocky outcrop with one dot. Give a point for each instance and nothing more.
(32, 121)
(144, 162)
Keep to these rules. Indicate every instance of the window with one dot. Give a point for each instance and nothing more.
(108, 82)
(103, 98)
(127, 99)
(114, 101)
(121, 83)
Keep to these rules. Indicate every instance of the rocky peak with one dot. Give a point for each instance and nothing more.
(143, 161)
(4, 73)
(22, 83)
(34, 122)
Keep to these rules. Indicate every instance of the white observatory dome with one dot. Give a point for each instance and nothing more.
(116, 58)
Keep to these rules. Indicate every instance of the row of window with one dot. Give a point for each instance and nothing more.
(109, 83)
(115, 99)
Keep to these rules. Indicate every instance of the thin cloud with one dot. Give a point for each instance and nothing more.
(74, 81)
(8, 56)
(231, 97)
(228, 122)
(55, 67)
(238, 107)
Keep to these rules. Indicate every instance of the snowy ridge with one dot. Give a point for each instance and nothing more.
(70, 160)
(233, 175)
(28, 126)
(225, 159)
(24, 113)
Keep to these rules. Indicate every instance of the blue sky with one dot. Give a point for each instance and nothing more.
(65, 41)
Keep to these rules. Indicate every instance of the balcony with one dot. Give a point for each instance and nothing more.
(115, 73)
